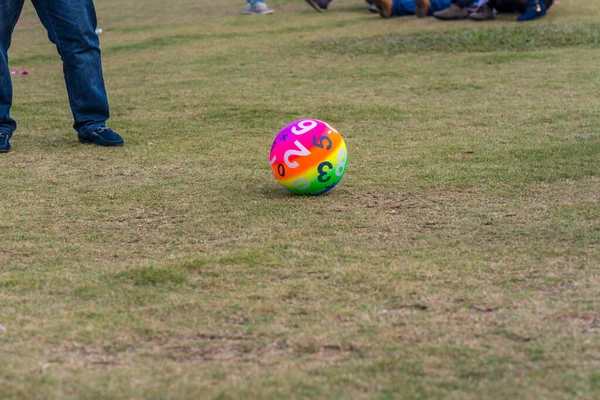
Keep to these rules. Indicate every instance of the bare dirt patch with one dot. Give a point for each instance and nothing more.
(198, 349)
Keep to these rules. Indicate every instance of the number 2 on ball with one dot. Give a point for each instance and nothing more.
(303, 151)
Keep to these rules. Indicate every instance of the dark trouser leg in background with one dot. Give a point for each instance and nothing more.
(508, 6)
(530, 9)
(319, 5)
(514, 5)
(462, 3)
(10, 10)
(71, 26)
(535, 9)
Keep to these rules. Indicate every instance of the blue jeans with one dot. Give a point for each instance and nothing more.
(71, 26)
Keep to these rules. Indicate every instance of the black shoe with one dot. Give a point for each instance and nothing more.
(102, 136)
(4, 143)
(319, 5)
(535, 9)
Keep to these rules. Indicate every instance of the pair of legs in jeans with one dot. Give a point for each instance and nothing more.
(71, 26)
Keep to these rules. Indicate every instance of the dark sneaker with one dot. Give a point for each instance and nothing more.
(384, 7)
(4, 143)
(451, 13)
(102, 136)
(483, 13)
(319, 5)
(422, 8)
(535, 9)
(373, 8)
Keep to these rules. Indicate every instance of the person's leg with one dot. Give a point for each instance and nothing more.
(384, 7)
(422, 8)
(534, 9)
(462, 3)
(395, 8)
(10, 10)
(530, 9)
(508, 6)
(372, 7)
(548, 3)
(319, 5)
(71, 26)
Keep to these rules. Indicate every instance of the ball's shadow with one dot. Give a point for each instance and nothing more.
(275, 192)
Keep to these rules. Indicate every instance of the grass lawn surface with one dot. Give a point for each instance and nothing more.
(458, 258)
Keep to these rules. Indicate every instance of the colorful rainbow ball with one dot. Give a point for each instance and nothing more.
(309, 157)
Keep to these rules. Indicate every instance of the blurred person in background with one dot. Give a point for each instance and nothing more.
(529, 9)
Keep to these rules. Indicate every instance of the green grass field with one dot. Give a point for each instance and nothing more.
(459, 257)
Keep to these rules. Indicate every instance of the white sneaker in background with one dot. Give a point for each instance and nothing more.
(259, 9)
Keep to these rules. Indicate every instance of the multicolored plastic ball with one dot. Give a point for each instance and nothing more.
(309, 157)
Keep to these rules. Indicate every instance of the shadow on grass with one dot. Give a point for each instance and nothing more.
(273, 192)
